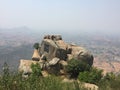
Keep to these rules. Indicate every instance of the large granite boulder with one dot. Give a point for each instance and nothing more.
(52, 49)
(86, 56)
(25, 65)
(36, 55)
(81, 53)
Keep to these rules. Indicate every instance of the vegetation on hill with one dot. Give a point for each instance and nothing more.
(83, 71)
(92, 76)
(75, 66)
(15, 81)
(36, 70)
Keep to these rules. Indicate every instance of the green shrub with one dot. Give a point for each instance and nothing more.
(75, 66)
(110, 82)
(109, 76)
(36, 70)
(36, 45)
(92, 76)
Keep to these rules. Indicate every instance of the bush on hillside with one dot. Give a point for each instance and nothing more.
(36, 45)
(109, 76)
(15, 81)
(36, 70)
(110, 82)
(75, 66)
(92, 76)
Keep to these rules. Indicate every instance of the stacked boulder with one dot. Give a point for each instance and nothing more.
(53, 54)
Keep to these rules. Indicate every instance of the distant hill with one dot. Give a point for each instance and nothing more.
(16, 43)
(12, 55)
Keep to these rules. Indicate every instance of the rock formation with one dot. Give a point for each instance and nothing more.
(36, 56)
(54, 53)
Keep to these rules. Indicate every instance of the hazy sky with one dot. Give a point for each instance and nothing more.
(75, 15)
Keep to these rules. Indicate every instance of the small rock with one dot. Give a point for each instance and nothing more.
(54, 61)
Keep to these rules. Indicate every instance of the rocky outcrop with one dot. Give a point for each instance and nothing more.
(89, 86)
(36, 56)
(53, 54)
(52, 48)
(54, 61)
(81, 53)
(53, 37)
(25, 65)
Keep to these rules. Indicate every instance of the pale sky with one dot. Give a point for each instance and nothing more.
(74, 15)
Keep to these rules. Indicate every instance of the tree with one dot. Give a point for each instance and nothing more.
(92, 76)
(75, 66)
(6, 75)
(36, 45)
(6, 69)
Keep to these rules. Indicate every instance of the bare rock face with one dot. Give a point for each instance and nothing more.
(54, 53)
(86, 57)
(53, 46)
(53, 37)
(25, 65)
(82, 54)
(36, 56)
(53, 49)
(54, 61)
(90, 86)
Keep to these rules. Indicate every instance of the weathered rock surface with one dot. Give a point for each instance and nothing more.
(81, 53)
(36, 56)
(25, 65)
(53, 49)
(88, 86)
(54, 61)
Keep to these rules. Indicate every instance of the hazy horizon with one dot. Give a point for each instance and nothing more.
(62, 16)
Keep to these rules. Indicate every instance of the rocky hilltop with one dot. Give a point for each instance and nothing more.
(53, 53)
